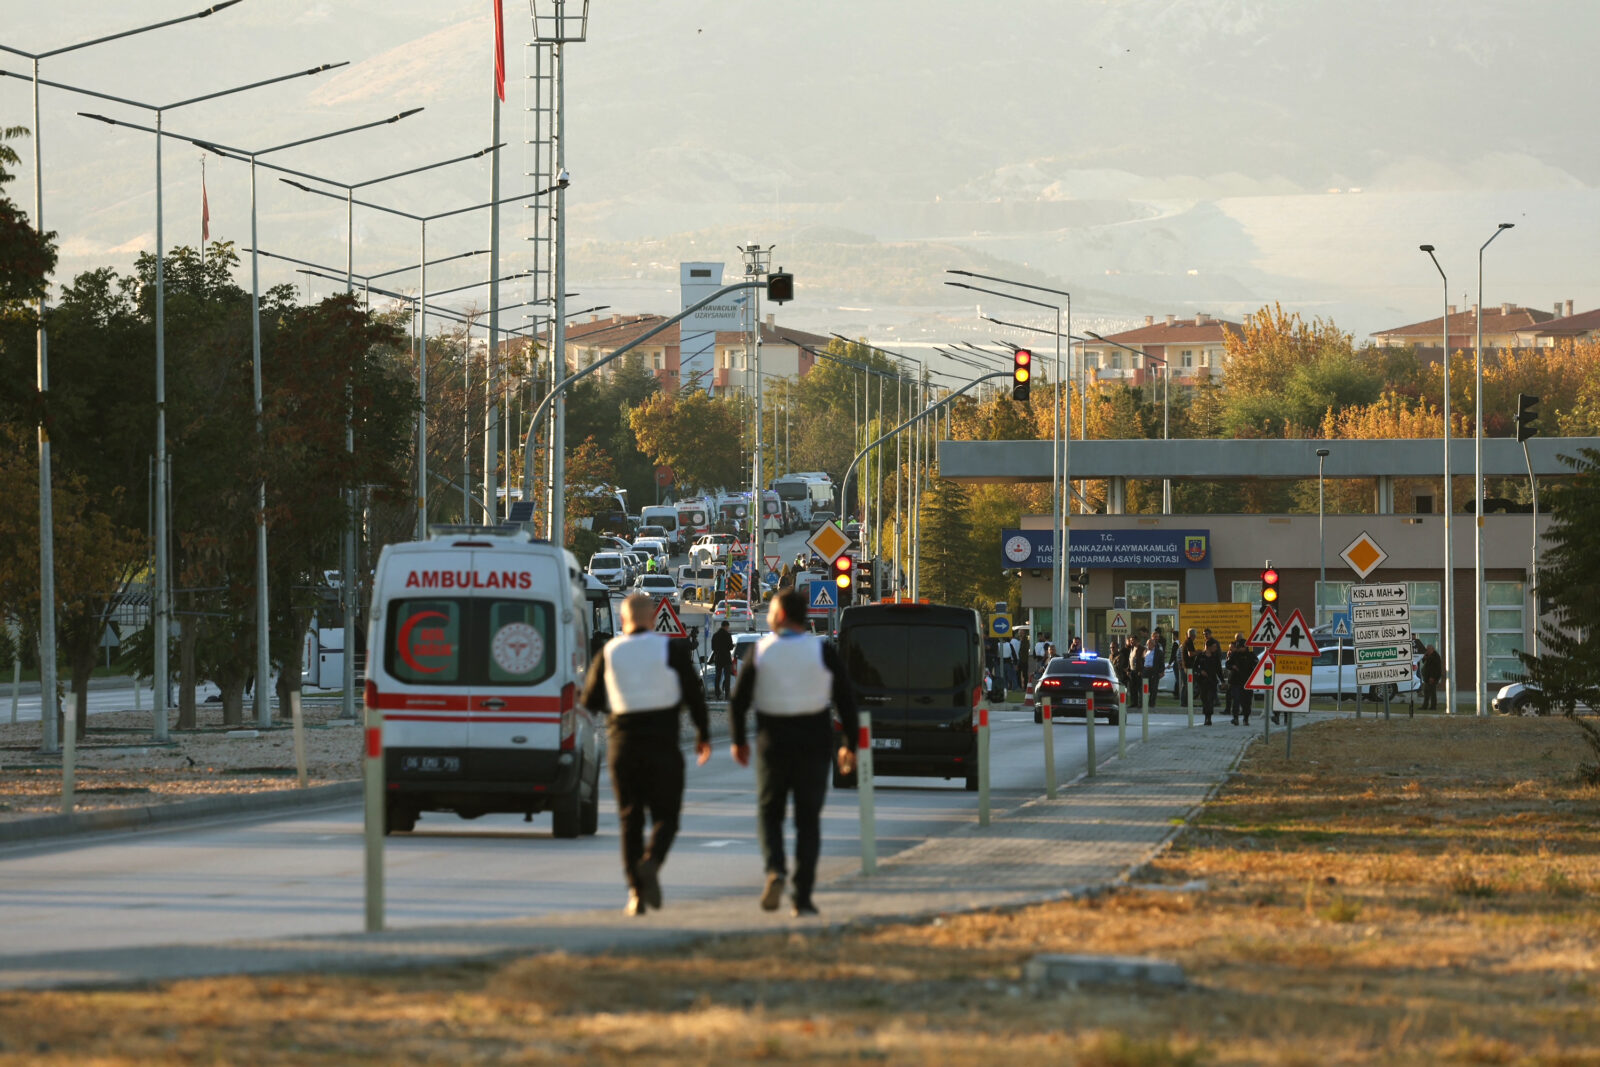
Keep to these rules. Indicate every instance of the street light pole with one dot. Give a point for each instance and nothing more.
(48, 704)
(1447, 623)
(1322, 542)
(1481, 641)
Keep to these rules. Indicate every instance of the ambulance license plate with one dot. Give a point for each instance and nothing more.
(885, 742)
(431, 764)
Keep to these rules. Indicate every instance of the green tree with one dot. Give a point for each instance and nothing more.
(1566, 671)
(947, 553)
(700, 437)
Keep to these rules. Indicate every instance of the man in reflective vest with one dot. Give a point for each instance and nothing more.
(642, 679)
(790, 680)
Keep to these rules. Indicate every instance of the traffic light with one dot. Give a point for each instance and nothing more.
(844, 577)
(1021, 373)
(1526, 416)
(780, 287)
(1269, 586)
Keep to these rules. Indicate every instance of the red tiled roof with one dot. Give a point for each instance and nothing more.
(1494, 321)
(775, 335)
(1181, 331)
(1570, 326)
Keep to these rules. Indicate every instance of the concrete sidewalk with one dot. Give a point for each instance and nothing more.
(1090, 837)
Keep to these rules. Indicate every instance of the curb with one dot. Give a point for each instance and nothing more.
(150, 816)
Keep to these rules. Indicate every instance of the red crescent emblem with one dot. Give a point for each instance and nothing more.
(404, 641)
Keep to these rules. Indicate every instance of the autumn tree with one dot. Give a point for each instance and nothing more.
(700, 437)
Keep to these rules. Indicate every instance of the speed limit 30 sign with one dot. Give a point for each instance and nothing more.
(1291, 684)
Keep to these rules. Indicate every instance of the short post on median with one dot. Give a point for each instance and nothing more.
(983, 766)
(1049, 748)
(375, 817)
(1088, 722)
(869, 837)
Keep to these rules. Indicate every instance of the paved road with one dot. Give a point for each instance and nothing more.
(302, 873)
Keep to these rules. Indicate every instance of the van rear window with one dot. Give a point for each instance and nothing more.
(909, 657)
(470, 641)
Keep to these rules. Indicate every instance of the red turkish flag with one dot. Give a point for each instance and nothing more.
(499, 51)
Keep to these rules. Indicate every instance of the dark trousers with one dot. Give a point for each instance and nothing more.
(1155, 689)
(647, 775)
(793, 755)
(1430, 694)
(1207, 692)
(722, 678)
(1241, 698)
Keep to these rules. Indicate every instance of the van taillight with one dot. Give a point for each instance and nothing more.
(371, 693)
(569, 717)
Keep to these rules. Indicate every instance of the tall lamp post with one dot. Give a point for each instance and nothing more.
(50, 741)
(1322, 540)
(263, 696)
(1447, 623)
(1481, 642)
(161, 600)
(1061, 511)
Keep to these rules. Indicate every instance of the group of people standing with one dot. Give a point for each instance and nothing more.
(644, 681)
(1141, 662)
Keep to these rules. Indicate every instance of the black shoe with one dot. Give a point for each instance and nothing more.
(1235, 720)
(803, 908)
(635, 906)
(772, 895)
(649, 884)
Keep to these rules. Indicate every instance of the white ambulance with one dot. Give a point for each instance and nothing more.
(479, 640)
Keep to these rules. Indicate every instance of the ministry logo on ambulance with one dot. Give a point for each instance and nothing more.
(1194, 548)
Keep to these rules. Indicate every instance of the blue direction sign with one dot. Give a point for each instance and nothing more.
(823, 598)
(1341, 624)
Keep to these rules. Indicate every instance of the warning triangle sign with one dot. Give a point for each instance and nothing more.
(1261, 677)
(1119, 621)
(1295, 637)
(667, 621)
(1266, 631)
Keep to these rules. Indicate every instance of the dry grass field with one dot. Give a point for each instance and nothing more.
(1414, 892)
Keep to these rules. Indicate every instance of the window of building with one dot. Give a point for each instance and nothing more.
(659, 361)
(1332, 597)
(1205, 358)
(1188, 357)
(1116, 361)
(1503, 629)
(1152, 605)
(1425, 612)
(1248, 593)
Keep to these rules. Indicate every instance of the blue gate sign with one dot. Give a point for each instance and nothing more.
(1105, 549)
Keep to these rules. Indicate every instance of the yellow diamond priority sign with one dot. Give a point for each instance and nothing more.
(829, 542)
(1363, 555)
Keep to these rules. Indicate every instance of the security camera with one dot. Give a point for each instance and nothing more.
(563, 179)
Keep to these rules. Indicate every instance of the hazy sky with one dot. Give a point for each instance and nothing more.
(1156, 155)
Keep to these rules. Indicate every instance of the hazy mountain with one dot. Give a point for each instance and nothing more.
(1150, 155)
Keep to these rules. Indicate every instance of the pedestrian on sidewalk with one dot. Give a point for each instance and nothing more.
(1133, 673)
(1155, 665)
(790, 681)
(722, 660)
(1241, 665)
(642, 679)
(1207, 676)
(1183, 666)
(1432, 672)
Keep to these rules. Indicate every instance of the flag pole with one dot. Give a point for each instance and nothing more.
(205, 215)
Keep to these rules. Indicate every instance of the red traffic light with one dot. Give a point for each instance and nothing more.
(843, 568)
(1269, 585)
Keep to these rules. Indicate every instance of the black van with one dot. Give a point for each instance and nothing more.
(918, 668)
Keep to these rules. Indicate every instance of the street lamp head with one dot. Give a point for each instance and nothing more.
(1322, 453)
(1506, 225)
(298, 185)
(563, 179)
(406, 114)
(1426, 248)
(214, 8)
(98, 118)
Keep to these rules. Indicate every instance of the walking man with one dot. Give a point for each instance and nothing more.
(722, 660)
(1432, 671)
(642, 679)
(1241, 665)
(1008, 662)
(790, 681)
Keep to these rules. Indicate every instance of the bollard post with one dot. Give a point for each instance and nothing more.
(1288, 740)
(1144, 714)
(1266, 715)
(1386, 703)
(299, 725)
(869, 835)
(983, 766)
(1049, 750)
(1188, 692)
(1088, 721)
(375, 817)
(1122, 725)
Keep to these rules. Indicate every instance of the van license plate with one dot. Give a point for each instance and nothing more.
(431, 764)
(885, 742)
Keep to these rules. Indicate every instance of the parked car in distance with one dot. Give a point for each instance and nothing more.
(651, 530)
(734, 611)
(657, 586)
(819, 519)
(653, 546)
(1068, 681)
(610, 568)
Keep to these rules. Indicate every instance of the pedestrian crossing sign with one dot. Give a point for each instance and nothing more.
(823, 598)
(667, 621)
